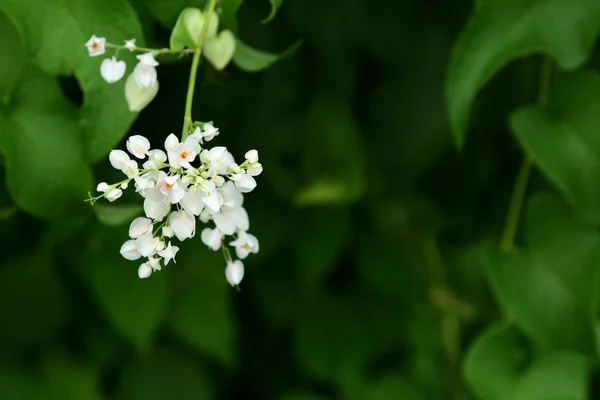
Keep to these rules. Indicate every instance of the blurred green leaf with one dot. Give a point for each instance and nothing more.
(10, 67)
(167, 11)
(67, 379)
(164, 375)
(328, 192)
(17, 384)
(105, 117)
(318, 246)
(253, 60)
(116, 214)
(563, 138)
(7, 212)
(494, 363)
(201, 311)
(134, 306)
(275, 4)
(40, 141)
(301, 396)
(391, 386)
(502, 31)
(228, 14)
(35, 306)
(534, 297)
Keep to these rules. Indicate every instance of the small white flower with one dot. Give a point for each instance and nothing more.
(244, 182)
(231, 216)
(234, 272)
(102, 187)
(218, 159)
(129, 250)
(207, 134)
(114, 194)
(254, 169)
(212, 238)
(144, 270)
(167, 231)
(138, 146)
(183, 154)
(157, 155)
(169, 253)
(130, 44)
(118, 158)
(183, 224)
(171, 143)
(144, 72)
(112, 70)
(167, 187)
(156, 210)
(147, 244)
(245, 244)
(154, 263)
(139, 227)
(213, 202)
(251, 156)
(96, 46)
(130, 169)
(192, 202)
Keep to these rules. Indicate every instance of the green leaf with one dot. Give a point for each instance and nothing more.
(497, 368)
(135, 307)
(494, 363)
(563, 131)
(502, 31)
(31, 288)
(253, 60)
(168, 11)
(67, 379)
(275, 4)
(328, 191)
(538, 301)
(116, 214)
(318, 246)
(228, 14)
(104, 116)
(391, 386)
(188, 28)
(40, 141)
(301, 396)
(10, 67)
(164, 375)
(200, 311)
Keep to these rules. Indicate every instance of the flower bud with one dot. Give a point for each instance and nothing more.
(118, 158)
(140, 226)
(114, 194)
(102, 187)
(234, 272)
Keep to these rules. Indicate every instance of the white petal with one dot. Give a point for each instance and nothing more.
(212, 238)
(96, 46)
(140, 226)
(138, 146)
(157, 155)
(171, 142)
(234, 272)
(156, 210)
(244, 182)
(144, 271)
(129, 250)
(114, 194)
(192, 202)
(102, 187)
(145, 76)
(118, 158)
(213, 202)
(167, 231)
(147, 59)
(251, 156)
(112, 70)
(147, 244)
(130, 169)
(240, 218)
(225, 222)
(254, 169)
(183, 224)
(130, 44)
(169, 253)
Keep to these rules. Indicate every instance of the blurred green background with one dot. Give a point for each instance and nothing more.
(378, 275)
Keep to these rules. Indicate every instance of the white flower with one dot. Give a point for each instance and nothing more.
(130, 169)
(167, 231)
(130, 44)
(144, 270)
(244, 182)
(212, 238)
(183, 224)
(144, 72)
(157, 155)
(218, 180)
(234, 272)
(139, 227)
(245, 244)
(138, 96)
(167, 187)
(102, 187)
(171, 143)
(147, 244)
(192, 202)
(118, 158)
(129, 250)
(251, 156)
(114, 194)
(112, 70)
(154, 263)
(213, 202)
(138, 146)
(218, 159)
(169, 253)
(232, 216)
(254, 169)
(156, 210)
(96, 46)
(183, 154)
(207, 134)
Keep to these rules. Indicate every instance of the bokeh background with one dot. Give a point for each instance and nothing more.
(372, 280)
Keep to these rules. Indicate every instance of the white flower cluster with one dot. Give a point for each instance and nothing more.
(142, 84)
(176, 193)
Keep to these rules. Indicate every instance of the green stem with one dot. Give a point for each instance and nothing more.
(187, 117)
(156, 52)
(518, 196)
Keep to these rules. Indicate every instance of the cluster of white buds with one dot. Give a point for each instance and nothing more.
(176, 193)
(141, 85)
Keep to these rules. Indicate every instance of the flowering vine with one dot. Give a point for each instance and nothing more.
(186, 182)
